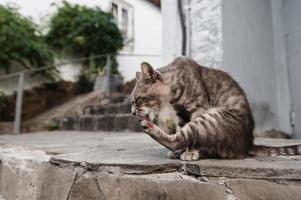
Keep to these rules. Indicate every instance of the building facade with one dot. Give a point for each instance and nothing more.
(258, 42)
(140, 22)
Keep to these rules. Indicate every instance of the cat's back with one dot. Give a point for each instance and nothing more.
(221, 87)
(182, 67)
(187, 66)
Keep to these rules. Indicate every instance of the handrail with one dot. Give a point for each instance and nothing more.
(72, 61)
(21, 74)
(52, 66)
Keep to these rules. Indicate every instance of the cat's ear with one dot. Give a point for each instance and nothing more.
(138, 75)
(148, 72)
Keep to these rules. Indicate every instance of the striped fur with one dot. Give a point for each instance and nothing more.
(214, 114)
(260, 150)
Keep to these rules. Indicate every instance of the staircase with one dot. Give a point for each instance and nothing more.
(114, 116)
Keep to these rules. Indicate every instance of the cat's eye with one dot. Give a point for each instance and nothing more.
(139, 100)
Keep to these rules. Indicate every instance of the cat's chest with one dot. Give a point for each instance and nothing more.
(183, 113)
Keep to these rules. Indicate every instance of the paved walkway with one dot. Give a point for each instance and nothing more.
(138, 152)
(71, 156)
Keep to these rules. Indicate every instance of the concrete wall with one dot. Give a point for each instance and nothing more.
(292, 24)
(281, 67)
(249, 55)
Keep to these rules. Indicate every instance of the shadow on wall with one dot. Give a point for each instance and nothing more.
(265, 119)
(263, 115)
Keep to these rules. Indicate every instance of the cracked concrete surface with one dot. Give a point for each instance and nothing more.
(89, 165)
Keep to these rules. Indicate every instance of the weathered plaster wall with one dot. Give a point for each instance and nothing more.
(172, 35)
(204, 28)
(203, 24)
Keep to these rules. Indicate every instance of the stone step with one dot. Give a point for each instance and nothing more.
(109, 122)
(108, 109)
(73, 165)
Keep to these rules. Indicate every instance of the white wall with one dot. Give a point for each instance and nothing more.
(129, 65)
(10, 84)
(171, 33)
(147, 39)
(147, 27)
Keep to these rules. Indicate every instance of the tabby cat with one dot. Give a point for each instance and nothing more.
(213, 111)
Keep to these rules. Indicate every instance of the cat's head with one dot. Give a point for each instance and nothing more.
(150, 94)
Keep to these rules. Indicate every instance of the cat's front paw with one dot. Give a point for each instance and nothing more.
(190, 155)
(146, 125)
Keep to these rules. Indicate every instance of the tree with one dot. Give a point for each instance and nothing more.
(82, 31)
(21, 42)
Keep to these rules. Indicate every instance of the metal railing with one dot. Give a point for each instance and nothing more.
(21, 80)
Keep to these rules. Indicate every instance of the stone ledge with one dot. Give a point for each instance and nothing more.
(254, 168)
(107, 122)
(89, 165)
(139, 154)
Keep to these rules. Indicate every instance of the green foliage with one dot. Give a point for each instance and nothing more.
(98, 66)
(21, 42)
(84, 84)
(53, 125)
(3, 105)
(83, 31)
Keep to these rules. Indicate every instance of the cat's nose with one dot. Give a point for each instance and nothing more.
(133, 111)
(146, 115)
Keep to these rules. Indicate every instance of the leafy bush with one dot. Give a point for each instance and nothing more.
(21, 42)
(84, 84)
(82, 31)
(3, 104)
(53, 125)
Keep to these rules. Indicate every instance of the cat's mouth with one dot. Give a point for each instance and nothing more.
(149, 115)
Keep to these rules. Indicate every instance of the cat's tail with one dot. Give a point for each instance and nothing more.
(261, 150)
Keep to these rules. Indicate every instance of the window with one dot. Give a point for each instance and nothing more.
(123, 17)
(125, 22)
(115, 11)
